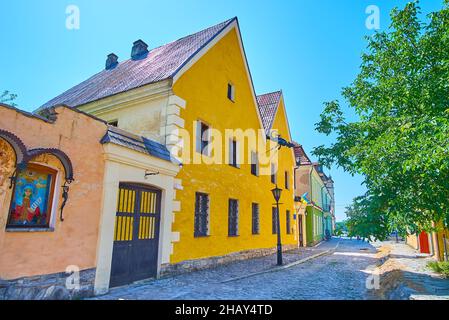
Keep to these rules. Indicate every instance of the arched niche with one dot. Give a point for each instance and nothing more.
(62, 156)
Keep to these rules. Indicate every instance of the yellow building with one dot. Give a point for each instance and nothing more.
(196, 97)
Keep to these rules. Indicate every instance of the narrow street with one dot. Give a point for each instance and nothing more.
(338, 274)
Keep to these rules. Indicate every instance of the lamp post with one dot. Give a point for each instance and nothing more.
(277, 195)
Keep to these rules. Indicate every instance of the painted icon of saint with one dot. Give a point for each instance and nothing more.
(27, 210)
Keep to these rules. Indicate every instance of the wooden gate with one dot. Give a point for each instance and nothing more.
(136, 234)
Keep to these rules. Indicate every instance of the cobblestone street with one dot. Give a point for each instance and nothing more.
(339, 273)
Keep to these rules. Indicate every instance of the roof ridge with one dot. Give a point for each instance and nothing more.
(161, 63)
(185, 37)
(267, 93)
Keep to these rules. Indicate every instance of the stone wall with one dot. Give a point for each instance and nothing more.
(48, 287)
(212, 262)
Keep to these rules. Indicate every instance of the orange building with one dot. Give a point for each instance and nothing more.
(58, 172)
(40, 157)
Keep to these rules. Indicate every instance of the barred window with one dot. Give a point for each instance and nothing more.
(233, 218)
(201, 215)
(256, 217)
(288, 222)
(273, 220)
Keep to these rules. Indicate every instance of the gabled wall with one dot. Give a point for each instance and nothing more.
(204, 88)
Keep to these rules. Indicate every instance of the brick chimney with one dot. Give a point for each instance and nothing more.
(111, 61)
(139, 50)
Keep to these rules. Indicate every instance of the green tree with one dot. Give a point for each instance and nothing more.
(340, 227)
(8, 98)
(400, 142)
(366, 219)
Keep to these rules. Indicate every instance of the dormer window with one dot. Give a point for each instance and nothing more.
(113, 123)
(231, 92)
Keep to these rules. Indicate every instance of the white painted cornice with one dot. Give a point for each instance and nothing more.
(125, 156)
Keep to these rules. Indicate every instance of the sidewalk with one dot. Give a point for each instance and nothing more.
(245, 268)
(405, 275)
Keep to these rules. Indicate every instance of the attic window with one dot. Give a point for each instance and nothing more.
(231, 92)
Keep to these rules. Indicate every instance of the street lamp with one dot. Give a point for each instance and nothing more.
(277, 195)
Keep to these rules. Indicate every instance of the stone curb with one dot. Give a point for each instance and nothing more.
(276, 269)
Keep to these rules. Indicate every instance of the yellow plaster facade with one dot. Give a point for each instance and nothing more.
(199, 93)
(203, 86)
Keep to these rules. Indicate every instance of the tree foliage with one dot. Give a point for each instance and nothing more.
(340, 227)
(8, 98)
(400, 142)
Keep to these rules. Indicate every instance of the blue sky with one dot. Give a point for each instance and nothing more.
(308, 48)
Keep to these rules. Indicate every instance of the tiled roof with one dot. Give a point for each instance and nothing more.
(160, 64)
(268, 104)
(300, 155)
(137, 143)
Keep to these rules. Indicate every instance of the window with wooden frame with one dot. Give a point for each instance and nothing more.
(273, 174)
(274, 227)
(233, 153)
(255, 218)
(254, 164)
(288, 222)
(233, 218)
(32, 200)
(287, 180)
(231, 92)
(202, 138)
(201, 215)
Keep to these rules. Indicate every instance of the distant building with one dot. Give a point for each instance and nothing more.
(314, 195)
